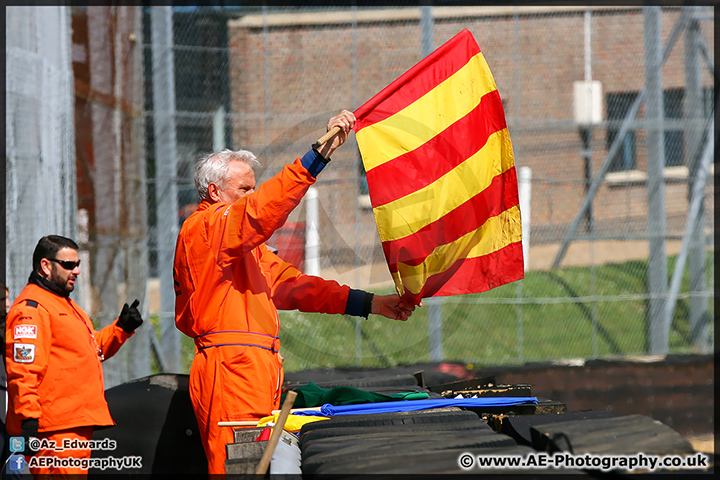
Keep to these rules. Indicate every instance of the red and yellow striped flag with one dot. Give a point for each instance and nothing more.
(441, 176)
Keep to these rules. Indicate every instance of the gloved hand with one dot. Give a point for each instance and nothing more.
(28, 430)
(130, 318)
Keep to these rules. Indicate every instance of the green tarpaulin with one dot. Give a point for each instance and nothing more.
(311, 395)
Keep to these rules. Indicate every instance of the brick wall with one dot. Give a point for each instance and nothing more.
(289, 78)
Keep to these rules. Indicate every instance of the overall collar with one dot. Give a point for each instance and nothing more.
(48, 285)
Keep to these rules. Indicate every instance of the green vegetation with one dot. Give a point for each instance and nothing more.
(579, 312)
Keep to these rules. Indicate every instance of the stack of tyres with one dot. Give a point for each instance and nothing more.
(429, 441)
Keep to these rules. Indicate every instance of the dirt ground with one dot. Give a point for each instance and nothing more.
(703, 443)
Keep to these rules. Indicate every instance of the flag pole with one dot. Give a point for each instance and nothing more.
(333, 131)
(276, 432)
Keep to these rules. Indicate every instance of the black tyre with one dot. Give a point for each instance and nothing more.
(388, 419)
(440, 461)
(357, 443)
(396, 430)
(370, 451)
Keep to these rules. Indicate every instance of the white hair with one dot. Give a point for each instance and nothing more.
(213, 167)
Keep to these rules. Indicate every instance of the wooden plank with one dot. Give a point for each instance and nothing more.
(247, 434)
(241, 466)
(420, 378)
(545, 407)
(473, 383)
(246, 449)
(520, 390)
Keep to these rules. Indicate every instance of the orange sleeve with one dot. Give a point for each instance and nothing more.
(110, 338)
(236, 229)
(293, 290)
(27, 350)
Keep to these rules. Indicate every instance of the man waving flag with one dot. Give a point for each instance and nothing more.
(441, 176)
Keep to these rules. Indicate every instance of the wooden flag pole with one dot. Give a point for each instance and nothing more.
(276, 432)
(317, 409)
(240, 423)
(333, 131)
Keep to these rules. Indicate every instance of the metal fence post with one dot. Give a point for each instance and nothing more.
(657, 266)
(165, 173)
(693, 135)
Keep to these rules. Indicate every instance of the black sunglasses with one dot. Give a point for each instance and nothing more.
(66, 264)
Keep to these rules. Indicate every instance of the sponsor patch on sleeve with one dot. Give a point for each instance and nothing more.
(24, 331)
(24, 352)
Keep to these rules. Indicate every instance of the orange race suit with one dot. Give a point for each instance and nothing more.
(228, 287)
(53, 360)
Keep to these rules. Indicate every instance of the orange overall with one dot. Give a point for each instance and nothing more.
(54, 370)
(228, 289)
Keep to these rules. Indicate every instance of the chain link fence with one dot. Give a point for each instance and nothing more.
(609, 110)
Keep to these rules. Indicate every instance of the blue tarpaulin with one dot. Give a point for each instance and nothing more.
(411, 405)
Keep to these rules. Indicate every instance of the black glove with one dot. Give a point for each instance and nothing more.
(130, 318)
(28, 429)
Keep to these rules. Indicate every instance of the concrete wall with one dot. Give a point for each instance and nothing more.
(677, 390)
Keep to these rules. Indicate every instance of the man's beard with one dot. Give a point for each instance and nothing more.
(63, 284)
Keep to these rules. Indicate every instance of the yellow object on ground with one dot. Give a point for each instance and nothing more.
(293, 423)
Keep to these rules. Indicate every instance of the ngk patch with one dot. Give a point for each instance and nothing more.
(25, 331)
(24, 352)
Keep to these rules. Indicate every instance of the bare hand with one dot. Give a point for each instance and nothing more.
(345, 120)
(391, 306)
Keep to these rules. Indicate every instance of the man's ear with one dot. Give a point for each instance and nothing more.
(46, 267)
(214, 192)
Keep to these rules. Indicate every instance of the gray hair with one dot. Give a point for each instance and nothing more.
(213, 167)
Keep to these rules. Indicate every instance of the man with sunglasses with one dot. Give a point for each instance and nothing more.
(54, 359)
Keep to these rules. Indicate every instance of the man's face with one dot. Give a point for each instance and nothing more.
(58, 274)
(240, 182)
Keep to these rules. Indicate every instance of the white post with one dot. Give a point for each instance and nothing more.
(524, 194)
(312, 234)
(84, 283)
(435, 323)
(219, 129)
